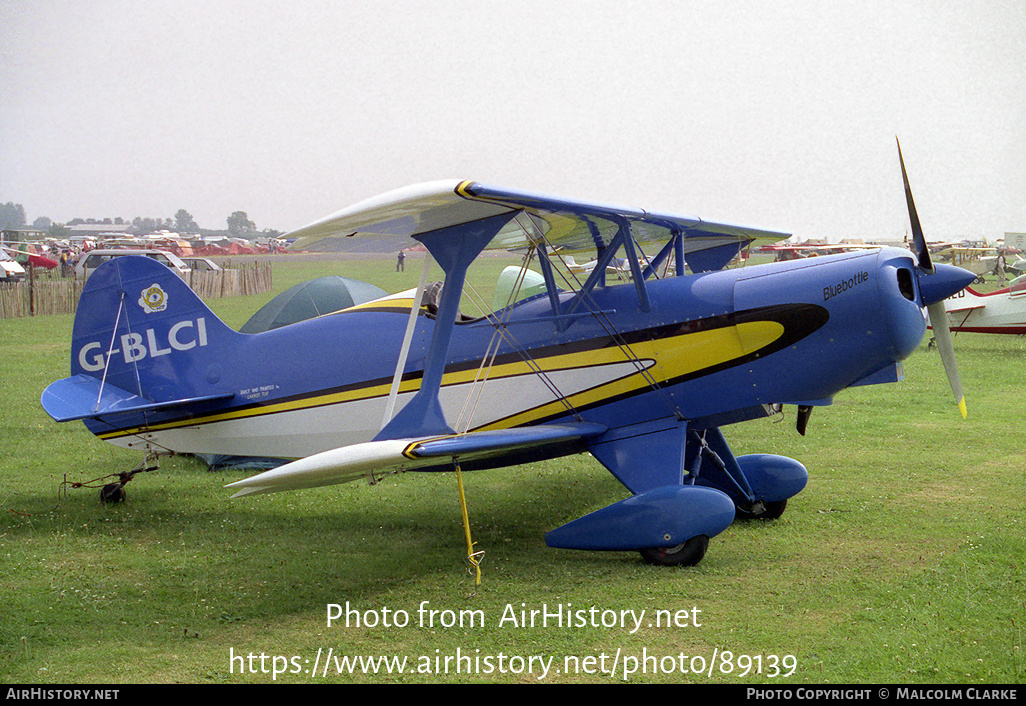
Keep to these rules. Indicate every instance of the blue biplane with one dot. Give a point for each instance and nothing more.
(642, 372)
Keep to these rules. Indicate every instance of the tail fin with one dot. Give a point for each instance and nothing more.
(142, 342)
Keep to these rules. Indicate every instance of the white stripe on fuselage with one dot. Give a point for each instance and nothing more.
(302, 432)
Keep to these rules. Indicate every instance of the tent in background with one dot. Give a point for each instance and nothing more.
(303, 301)
(309, 299)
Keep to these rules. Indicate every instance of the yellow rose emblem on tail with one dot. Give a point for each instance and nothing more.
(153, 299)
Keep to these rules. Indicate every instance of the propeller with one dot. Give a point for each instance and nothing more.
(935, 308)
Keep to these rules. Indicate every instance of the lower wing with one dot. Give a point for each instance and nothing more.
(374, 458)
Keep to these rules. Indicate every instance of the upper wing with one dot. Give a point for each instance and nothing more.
(572, 226)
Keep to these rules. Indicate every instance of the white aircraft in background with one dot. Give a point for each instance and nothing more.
(1003, 311)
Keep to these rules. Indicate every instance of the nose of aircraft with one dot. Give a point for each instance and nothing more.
(903, 311)
(945, 281)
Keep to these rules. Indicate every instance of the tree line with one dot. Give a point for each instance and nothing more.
(12, 217)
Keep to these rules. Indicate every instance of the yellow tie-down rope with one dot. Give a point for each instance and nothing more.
(473, 557)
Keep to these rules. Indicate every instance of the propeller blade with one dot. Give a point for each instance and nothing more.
(922, 252)
(942, 334)
(938, 314)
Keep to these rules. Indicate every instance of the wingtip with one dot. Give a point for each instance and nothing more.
(252, 490)
(246, 487)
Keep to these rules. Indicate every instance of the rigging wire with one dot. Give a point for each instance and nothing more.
(110, 349)
(491, 351)
(607, 325)
(502, 333)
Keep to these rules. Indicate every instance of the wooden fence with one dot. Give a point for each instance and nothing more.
(46, 295)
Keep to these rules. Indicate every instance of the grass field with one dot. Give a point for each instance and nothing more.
(901, 562)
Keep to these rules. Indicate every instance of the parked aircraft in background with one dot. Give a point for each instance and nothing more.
(1003, 311)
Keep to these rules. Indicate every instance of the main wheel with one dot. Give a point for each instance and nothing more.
(771, 511)
(687, 554)
(774, 510)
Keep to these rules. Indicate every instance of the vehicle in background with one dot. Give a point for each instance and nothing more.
(10, 270)
(94, 258)
(201, 264)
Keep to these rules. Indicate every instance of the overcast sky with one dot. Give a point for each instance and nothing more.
(774, 114)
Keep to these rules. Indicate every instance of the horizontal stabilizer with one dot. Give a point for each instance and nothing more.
(85, 397)
(374, 458)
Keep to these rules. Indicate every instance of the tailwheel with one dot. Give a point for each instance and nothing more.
(687, 554)
(113, 493)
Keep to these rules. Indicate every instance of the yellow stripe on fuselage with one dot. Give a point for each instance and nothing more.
(393, 305)
(673, 357)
